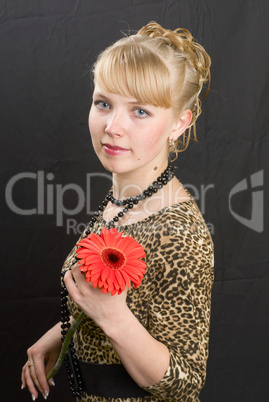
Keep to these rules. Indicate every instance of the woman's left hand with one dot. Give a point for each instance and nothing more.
(100, 307)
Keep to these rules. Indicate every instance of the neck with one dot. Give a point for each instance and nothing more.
(133, 184)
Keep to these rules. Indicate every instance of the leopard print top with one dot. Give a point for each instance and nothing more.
(172, 302)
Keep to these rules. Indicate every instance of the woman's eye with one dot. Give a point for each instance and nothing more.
(101, 104)
(141, 112)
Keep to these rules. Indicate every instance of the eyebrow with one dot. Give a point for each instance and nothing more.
(97, 94)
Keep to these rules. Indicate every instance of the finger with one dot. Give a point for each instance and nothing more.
(40, 372)
(23, 382)
(70, 284)
(36, 374)
(32, 374)
(51, 382)
(28, 382)
(78, 275)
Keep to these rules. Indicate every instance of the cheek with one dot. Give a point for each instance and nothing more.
(94, 126)
(154, 139)
(91, 120)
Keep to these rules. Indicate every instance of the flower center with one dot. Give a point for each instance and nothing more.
(113, 258)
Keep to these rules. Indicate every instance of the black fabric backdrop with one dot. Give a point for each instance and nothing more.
(52, 181)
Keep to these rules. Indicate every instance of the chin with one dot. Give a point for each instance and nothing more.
(113, 167)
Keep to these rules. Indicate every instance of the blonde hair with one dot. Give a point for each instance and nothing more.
(159, 67)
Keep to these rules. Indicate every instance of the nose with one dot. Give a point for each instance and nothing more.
(115, 124)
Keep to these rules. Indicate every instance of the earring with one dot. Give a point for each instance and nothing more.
(171, 143)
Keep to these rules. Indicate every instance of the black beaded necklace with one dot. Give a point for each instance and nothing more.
(71, 360)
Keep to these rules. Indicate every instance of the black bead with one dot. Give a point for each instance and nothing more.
(116, 218)
(125, 210)
(120, 214)
(130, 206)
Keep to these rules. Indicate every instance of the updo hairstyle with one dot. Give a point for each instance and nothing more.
(157, 67)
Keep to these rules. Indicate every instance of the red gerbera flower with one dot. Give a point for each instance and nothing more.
(111, 261)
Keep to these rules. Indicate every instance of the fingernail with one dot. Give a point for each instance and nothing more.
(46, 394)
(22, 386)
(52, 382)
(33, 397)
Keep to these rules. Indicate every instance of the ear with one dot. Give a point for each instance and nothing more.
(181, 124)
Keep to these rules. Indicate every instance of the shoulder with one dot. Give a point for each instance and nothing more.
(182, 219)
(181, 229)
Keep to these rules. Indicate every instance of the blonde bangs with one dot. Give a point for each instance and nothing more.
(134, 71)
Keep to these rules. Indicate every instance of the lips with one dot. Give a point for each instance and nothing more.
(114, 150)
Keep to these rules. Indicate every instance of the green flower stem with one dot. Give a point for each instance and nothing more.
(65, 345)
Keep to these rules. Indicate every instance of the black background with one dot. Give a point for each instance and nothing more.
(46, 50)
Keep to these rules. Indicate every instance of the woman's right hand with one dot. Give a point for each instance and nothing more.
(42, 357)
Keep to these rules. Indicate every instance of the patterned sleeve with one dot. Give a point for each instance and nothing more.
(181, 265)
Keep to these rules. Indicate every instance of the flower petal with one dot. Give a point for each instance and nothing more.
(113, 292)
(133, 270)
(91, 246)
(126, 243)
(119, 277)
(135, 253)
(91, 259)
(104, 273)
(126, 278)
(136, 263)
(110, 236)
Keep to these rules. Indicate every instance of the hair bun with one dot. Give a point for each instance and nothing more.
(183, 42)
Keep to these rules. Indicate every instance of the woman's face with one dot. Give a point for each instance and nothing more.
(129, 137)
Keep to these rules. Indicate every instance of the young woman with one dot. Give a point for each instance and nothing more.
(149, 343)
